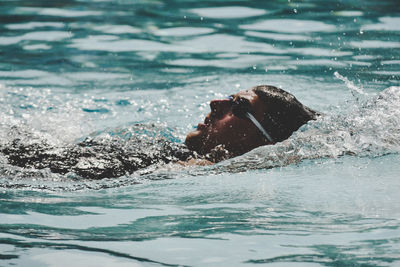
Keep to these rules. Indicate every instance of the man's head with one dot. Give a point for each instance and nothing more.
(229, 123)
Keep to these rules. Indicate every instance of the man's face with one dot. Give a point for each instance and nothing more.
(222, 127)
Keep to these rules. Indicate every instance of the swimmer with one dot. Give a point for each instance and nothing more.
(262, 115)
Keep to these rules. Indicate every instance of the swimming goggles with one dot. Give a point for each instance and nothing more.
(241, 108)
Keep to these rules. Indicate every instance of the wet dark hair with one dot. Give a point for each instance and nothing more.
(285, 114)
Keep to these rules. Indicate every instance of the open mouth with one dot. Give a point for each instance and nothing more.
(202, 126)
(205, 124)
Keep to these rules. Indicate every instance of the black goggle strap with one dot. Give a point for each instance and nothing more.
(259, 126)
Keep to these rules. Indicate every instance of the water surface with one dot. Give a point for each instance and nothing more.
(326, 197)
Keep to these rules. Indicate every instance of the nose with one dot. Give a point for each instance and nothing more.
(220, 106)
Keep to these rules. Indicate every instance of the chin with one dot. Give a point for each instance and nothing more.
(194, 141)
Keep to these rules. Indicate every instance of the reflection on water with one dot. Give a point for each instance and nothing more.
(190, 36)
(327, 196)
(289, 26)
(228, 12)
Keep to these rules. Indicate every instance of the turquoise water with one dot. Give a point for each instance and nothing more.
(328, 196)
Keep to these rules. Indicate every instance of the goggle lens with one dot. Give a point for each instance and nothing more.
(241, 108)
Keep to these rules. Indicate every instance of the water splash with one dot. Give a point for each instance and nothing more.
(355, 91)
(41, 114)
(368, 129)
